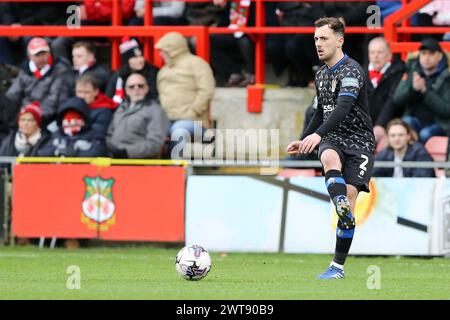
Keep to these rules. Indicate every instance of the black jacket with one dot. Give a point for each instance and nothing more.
(87, 143)
(380, 98)
(8, 148)
(101, 73)
(415, 152)
(51, 90)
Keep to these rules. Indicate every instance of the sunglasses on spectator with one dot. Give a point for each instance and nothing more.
(138, 85)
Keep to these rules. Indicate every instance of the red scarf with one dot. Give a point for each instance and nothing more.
(39, 73)
(119, 93)
(376, 76)
(239, 15)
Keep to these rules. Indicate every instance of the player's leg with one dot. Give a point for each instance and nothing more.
(345, 233)
(337, 188)
(336, 185)
(356, 171)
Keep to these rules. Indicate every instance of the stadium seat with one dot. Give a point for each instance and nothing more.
(383, 143)
(437, 147)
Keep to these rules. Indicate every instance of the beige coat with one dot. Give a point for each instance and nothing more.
(185, 83)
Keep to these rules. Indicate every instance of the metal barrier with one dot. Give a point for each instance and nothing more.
(194, 167)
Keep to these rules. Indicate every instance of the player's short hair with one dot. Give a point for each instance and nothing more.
(88, 78)
(89, 46)
(409, 129)
(333, 23)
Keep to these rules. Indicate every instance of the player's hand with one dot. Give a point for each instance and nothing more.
(308, 144)
(292, 148)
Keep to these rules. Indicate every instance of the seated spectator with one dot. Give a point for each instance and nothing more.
(439, 12)
(165, 13)
(352, 13)
(232, 55)
(92, 12)
(423, 94)
(384, 74)
(186, 86)
(23, 14)
(100, 11)
(402, 146)
(29, 137)
(388, 7)
(132, 61)
(101, 107)
(203, 13)
(41, 78)
(139, 125)
(84, 61)
(75, 137)
(296, 52)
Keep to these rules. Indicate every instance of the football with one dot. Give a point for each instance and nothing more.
(193, 262)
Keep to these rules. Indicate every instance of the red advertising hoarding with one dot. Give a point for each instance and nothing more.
(134, 203)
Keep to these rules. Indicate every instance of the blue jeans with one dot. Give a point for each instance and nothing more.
(425, 132)
(181, 133)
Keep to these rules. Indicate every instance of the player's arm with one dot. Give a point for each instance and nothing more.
(351, 83)
(315, 122)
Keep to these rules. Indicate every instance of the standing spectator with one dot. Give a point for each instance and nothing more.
(84, 61)
(132, 61)
(101, 107)
(384, 74)
(402, 146)
(29, 137)
(165, 13)
(41, 79)
(139, 125)
(185, 85)
(75, 137)
(424, 93)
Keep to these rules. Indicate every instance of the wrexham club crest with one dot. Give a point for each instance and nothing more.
(98, 204)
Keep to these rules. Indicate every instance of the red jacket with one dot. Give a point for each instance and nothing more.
(103, 101)
(101, 11)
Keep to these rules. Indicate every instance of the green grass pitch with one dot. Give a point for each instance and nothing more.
(149, 273)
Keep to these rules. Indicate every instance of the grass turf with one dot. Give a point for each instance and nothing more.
(149, 273)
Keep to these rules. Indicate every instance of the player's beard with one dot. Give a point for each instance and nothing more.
(326, 56)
